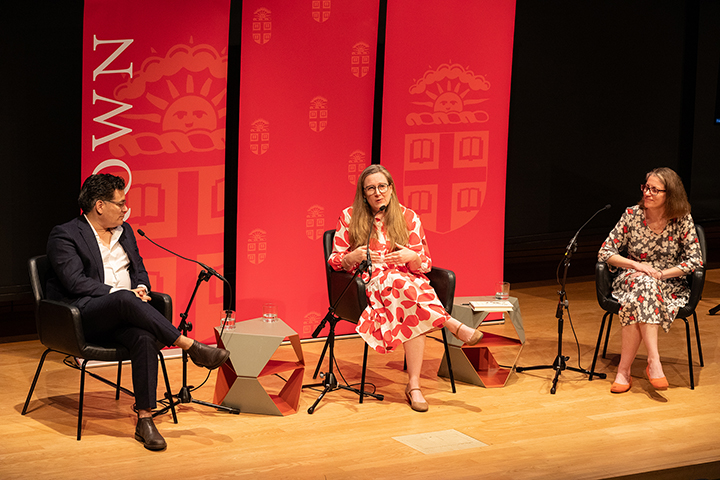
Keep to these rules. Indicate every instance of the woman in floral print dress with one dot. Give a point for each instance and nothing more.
(662, 248)
(402, 306)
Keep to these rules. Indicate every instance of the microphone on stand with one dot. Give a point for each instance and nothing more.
(209, 269)
(367, 263)
(571, 245)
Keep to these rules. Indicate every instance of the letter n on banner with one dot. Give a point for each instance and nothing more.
(445, 122)
(153, 111)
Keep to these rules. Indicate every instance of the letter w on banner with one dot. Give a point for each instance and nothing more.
(153, 111)
(445, 123)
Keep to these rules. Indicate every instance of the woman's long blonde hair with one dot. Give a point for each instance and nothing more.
(362, 215)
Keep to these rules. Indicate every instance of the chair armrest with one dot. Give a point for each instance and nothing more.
(443, 281)
(353, 302)
(696, 281)
(603, 282)
(60, 327)
(163, 304)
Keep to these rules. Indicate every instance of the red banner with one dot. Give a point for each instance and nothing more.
(153, 96)
(307, 85)
(445, 122)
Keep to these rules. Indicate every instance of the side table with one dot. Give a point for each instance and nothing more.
(252, 345)
(492, 360)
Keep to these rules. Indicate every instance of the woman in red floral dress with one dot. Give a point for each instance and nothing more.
(402, 306)
(662, 247)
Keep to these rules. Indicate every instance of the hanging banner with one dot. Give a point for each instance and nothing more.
(154, 85)
(307, 83)
(445, 122)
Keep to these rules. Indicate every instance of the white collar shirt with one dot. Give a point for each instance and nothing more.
(116, 263)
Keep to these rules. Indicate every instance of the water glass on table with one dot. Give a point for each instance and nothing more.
(502, 290)
(269, 312)
(228, 321)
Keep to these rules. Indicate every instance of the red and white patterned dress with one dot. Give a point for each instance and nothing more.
(401, 302)
(644, 299)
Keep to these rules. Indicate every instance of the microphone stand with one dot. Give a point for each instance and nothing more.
(330, 382)
(560, 362)
(184, 395)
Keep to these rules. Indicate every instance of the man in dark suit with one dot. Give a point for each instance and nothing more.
(98, 268)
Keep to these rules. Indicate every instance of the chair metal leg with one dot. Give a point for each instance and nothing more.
(362, 377)
(168, 390)
(82, 395)
(607, 335)
(697, 337)
(689, 348)
(447, 357)
(597, 345)
(34, 382)
(119, 377)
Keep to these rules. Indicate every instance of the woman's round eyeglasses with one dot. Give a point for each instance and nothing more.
(382, 188)
(653, 191)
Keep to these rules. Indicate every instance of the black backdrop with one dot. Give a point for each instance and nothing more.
(601, 93)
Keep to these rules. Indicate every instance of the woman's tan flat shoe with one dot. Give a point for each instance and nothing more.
(417, 406)
(474, 339)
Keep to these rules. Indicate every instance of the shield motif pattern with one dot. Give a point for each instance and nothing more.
(260, 136)
(360, 59)
(356, 165)
(261, 26)
(315, 222)
(318, 114)
(445, 177)
(310, 321)
(321, 10)
(257, 246)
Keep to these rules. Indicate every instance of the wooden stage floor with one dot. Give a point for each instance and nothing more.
(581, 432)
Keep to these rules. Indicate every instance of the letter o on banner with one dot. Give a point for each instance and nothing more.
(114, 162)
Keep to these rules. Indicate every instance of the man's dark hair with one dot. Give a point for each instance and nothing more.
(101, 186)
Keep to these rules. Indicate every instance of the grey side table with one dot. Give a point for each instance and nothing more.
(492, 360)
(252, 345)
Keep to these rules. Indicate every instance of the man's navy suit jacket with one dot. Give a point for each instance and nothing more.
(77, 264)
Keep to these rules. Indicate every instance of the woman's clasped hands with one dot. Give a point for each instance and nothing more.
(646, 269)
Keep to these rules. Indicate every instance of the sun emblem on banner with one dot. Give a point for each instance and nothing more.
(259, 136)
(261, 26)
(318, 114)
(315, 222)
(320, 10)
(360, 59)
(310, 321)
(257, 246)
(447, 97)
(356, 165)
(181, 100)
(445, 165)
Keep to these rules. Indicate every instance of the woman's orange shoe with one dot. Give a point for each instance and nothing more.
(620, 387)
(660, 383)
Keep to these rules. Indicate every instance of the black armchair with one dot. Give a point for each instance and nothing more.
(59, 327)
(603, 284)
(354, 301)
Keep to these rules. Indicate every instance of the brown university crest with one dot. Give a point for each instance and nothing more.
(446, 152)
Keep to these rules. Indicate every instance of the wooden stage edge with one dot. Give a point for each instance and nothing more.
(519, 431)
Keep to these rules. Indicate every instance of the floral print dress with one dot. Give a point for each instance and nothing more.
(644, 299)
(401, 302)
